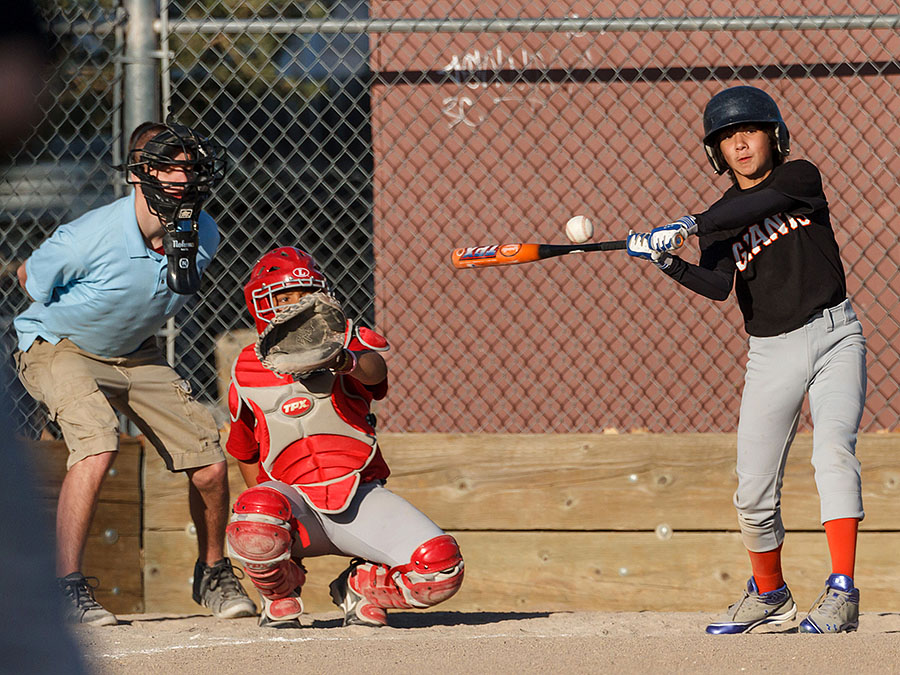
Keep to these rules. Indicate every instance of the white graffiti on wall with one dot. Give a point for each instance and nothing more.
(494, 60)
(463, 108)
(457, 108)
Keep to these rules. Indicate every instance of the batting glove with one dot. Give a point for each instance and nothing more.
(637, 244)
(672, 236)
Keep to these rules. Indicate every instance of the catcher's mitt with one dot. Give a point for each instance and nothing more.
(303, 337)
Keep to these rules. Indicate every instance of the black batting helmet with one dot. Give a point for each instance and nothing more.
(741, 105)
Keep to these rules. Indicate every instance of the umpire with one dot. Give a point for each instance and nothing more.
(101, 288)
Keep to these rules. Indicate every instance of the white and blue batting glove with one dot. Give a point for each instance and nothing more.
(637, 244)
(672, 236)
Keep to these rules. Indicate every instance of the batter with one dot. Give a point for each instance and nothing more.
(770, 237)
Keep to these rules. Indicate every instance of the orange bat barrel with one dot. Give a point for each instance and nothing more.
(496, 254)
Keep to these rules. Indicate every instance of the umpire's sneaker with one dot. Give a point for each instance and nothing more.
(755, 609)
(80, 605)
(836, 610)
(217, 588)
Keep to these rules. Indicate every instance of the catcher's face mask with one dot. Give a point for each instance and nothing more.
(283, 269)
(176, 170)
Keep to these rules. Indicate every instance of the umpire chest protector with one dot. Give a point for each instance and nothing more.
(312, 432)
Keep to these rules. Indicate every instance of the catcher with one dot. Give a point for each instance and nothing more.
(304, 438)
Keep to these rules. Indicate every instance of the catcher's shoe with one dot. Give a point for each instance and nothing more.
(217, 588)
(358, 610)
(755, 609)
(836, 610)
(80, 605)
(281, 613)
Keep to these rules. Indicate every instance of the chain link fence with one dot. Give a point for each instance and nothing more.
(66, 168)
(379, 136)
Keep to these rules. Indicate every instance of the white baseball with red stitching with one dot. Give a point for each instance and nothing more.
(579, 229)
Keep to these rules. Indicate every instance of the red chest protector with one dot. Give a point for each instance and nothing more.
(312, 433)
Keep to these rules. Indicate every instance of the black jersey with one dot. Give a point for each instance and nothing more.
(777, 235)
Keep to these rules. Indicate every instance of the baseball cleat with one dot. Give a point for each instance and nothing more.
(281, 613)
(358, 610)
(265, 621)
(836, 610)
(755, 609)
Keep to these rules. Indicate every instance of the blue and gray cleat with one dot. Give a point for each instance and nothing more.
(836, 610)
(755, 609)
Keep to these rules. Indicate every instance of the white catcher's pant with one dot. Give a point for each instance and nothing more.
(378, 526)
(827, 358)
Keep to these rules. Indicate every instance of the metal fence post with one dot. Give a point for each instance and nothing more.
(141, 77)
(142, 91)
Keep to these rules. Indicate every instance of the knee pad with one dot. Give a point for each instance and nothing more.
(260, 537)
(263, 501)
(259, 533)
(435, 571)
(436, 556)
(433, 574)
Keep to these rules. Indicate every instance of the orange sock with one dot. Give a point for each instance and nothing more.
(841, 534)
(767, 569)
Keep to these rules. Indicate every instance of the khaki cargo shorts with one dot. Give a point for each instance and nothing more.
(81, 391)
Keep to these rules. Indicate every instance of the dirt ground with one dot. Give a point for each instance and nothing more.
(484, 642)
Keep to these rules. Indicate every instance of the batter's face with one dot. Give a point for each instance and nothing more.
(748, 152)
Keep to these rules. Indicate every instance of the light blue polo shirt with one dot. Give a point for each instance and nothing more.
(95, 282)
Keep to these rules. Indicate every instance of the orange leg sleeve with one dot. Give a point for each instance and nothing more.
(841, 534)
(767, 569)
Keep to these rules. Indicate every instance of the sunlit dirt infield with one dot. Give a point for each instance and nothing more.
(484, 642)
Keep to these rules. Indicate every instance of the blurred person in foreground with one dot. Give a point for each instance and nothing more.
(34, 638)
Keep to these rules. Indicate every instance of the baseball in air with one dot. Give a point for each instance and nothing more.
(579, 229)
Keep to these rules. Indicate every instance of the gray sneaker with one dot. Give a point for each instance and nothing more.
(80, 605)
(755, 609)
(217, 588)
(836, 610)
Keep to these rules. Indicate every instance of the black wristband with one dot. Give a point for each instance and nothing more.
(348, 363)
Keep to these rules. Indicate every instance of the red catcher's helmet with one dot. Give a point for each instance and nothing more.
(285, 268)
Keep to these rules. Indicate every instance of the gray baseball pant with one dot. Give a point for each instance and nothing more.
(378, 526)
(827, 358)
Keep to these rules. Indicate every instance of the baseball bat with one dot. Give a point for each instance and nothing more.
(516, 254)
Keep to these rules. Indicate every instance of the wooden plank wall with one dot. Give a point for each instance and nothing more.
(113, 552)
(634, 521)
(572, 521)
(545, 521)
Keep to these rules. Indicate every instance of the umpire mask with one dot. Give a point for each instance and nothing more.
(177, 200)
